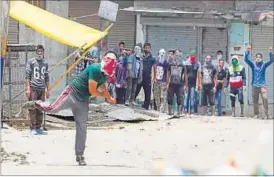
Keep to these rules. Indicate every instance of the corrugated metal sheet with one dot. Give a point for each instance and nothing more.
(261, 39)
(83, 8)
(213, 39)
(168, 37)
(13, 32)
(124, 27)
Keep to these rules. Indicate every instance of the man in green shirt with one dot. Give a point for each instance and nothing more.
(76, 97)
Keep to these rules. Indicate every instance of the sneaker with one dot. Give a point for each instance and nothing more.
(256, 117)
(189, 115)
(33, 132)
(81, 160)
(41, 132)
(135, 104)
(127, 103)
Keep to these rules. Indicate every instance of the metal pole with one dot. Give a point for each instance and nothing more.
(4, 14)
(4, 18)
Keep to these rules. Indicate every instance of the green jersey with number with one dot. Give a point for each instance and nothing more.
(79, 85)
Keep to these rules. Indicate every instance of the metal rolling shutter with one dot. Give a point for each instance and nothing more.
(214, 39)
(13, 32)
(82, 8)
(124, 27)
(168, 37)
(261, 39)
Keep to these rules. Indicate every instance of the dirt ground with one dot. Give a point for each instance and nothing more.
(128, 149)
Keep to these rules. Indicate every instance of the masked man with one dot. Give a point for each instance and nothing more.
(161, 79)
(209, 83)
(258, 69)
(179, 59)
(236, 78)
(37, 84)
(76, 96)
(177, 84)
(193, 69)
(135, 77)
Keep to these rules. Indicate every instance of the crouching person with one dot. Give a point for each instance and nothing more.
(37, 84)
(76, 96)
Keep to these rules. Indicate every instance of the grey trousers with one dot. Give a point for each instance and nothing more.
(256, 92)
(80, 112)
(131, 89)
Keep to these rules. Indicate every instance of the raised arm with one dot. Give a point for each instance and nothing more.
(271, 58)
(246, 58)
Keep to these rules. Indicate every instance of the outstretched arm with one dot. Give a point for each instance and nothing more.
(92, 88)
(103, 91)
(246, 58)
(271, 58)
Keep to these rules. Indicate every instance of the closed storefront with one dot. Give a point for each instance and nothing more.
(261, 39)
(213, 39)
(86, 11)
(123, 29)
(13, 32)
(169, 37)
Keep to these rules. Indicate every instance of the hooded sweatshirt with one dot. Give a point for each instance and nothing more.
(258, 70)
(236, 76)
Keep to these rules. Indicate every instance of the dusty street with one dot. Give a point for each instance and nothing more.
(128, 149)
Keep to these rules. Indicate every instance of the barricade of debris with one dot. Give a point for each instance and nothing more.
(101, 114)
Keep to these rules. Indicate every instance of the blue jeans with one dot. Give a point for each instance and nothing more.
(197, 100)
(218, 98)
(190, 100)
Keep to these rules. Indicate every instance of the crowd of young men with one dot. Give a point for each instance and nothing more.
(169, 80)
(121, 74)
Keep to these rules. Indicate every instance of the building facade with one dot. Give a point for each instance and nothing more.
(203, 26)
(207, 26)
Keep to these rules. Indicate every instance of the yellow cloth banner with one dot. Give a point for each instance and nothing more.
(55, 27)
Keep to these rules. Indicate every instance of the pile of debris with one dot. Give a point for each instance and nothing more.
(21, 159)
(104, 114)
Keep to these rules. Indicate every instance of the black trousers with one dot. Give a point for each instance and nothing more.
(146, 84)
(176, 89)
(121, 95)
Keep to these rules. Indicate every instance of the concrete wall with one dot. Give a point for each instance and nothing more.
(54, 51)
(244, 5)
(187, 5)
(221, 6)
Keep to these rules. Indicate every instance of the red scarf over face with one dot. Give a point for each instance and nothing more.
(108, 66)
(193, 59)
